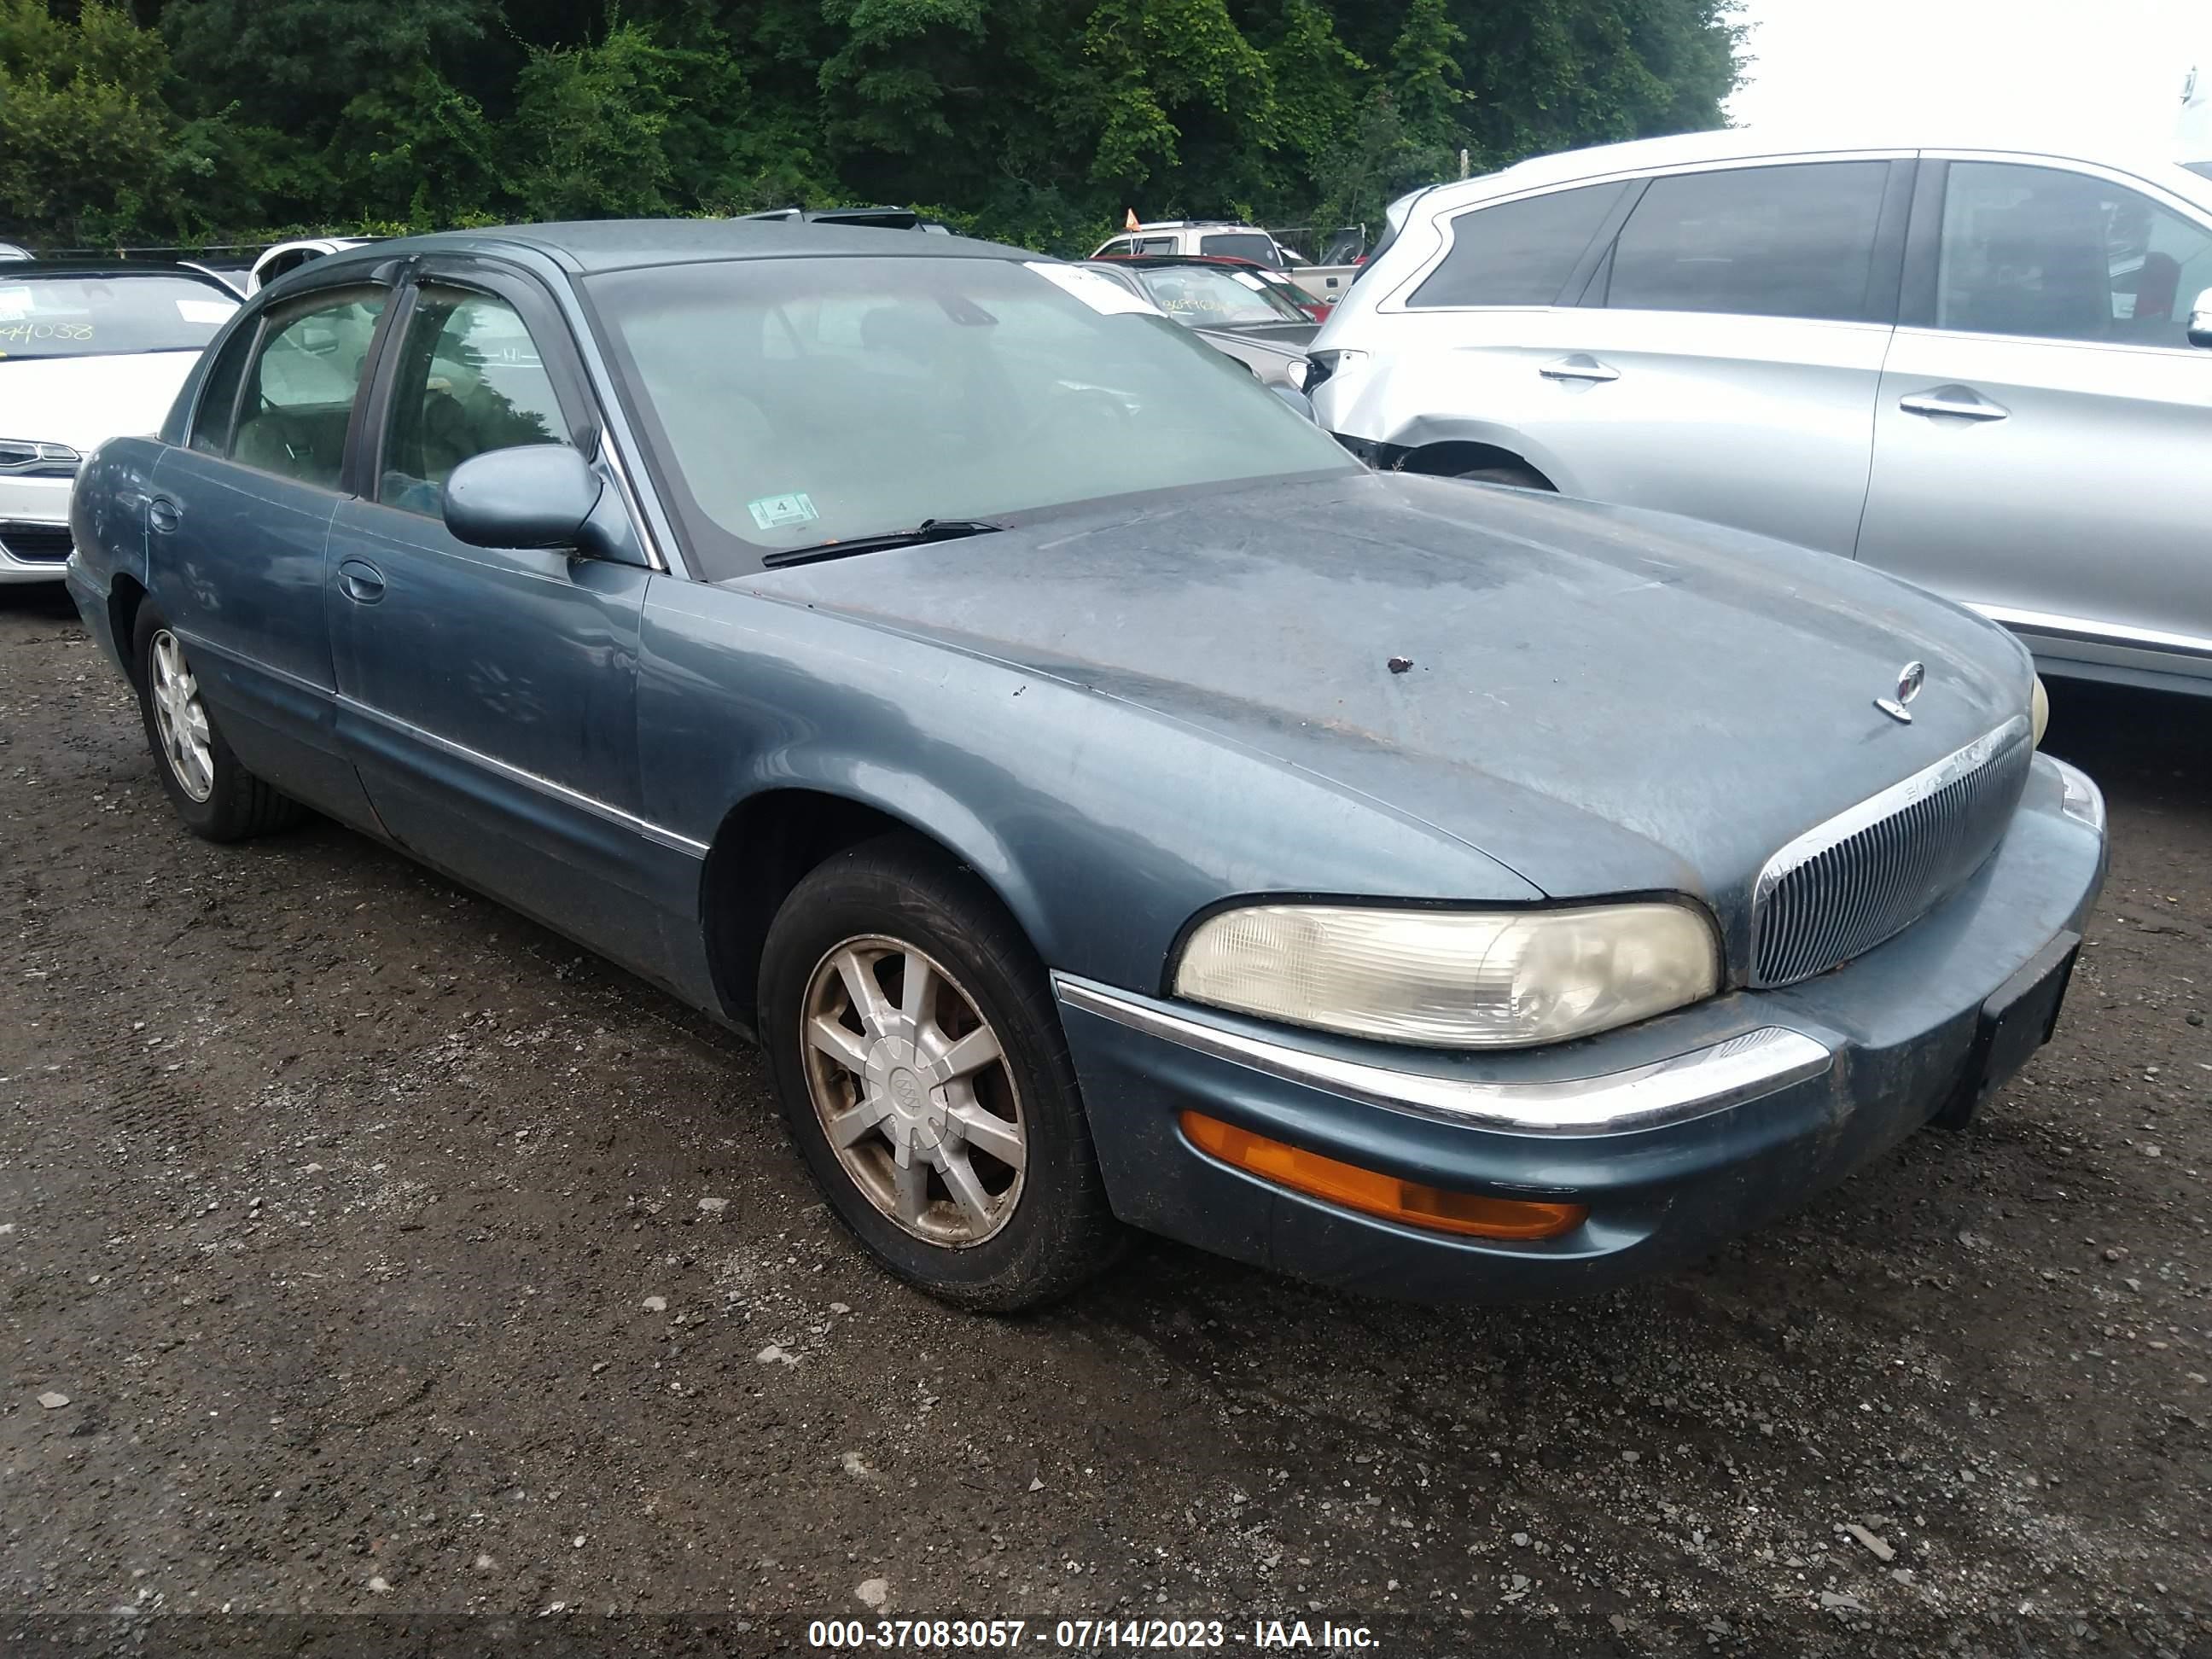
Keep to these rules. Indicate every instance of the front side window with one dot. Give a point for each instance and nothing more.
(1517, 253)
(470, 380)
(2062, 256)
(790, 404)
(107, 315)
(1796, 240)
(299, 394)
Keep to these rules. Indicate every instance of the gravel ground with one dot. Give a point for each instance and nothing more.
(394, 1257)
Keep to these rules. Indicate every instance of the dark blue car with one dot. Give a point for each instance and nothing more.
(1108, 804)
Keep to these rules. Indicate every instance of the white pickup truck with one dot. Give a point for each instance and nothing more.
(1225, 239)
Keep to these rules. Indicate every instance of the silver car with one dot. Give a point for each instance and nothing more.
(1982, 369)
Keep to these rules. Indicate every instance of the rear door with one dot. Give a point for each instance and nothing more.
(1723, 358)
(238, 523)
(487, 696)
(2043, 423)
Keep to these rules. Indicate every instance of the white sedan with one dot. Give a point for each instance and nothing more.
(87, 352)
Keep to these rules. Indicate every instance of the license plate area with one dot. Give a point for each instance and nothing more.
(2016, 1020)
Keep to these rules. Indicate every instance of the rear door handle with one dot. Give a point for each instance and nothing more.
(1964, 402)
(163, 515)
(1580, 367)
(361, 581)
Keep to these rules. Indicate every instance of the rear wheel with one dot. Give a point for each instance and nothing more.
(214, 794)
(920, 1064)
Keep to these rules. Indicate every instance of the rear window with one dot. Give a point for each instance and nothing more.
(1241, 245)
(1774, 241)
(1517, 253)
(92, 316)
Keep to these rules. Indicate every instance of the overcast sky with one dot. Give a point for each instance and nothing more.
(2114, 67)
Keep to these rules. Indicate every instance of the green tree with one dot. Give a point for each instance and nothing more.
(88, 147)
(1426, 75)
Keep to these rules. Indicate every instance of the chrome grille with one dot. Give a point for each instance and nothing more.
(1844, 887)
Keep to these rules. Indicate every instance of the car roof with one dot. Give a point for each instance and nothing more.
(20, 271)
(585, 246)
(1780, 143)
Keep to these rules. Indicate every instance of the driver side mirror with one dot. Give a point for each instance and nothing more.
(537, 495)
(2200, 319)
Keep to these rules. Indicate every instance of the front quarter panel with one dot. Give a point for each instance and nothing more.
(1103, 828)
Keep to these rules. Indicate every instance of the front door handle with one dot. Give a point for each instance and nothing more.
(1964, 402)
(163, 515)
(361, 581)
(1580, 367)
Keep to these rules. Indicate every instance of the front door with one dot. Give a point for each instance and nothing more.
(1724, 361)
(2043, 423)
(488, 695)
(238, 521)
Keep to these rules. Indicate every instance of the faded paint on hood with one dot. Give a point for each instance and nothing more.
(84, 401)
(1604, 700)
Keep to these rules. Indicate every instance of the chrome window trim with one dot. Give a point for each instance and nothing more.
(1885, 803)
(1676, 1090)
(2050, 625)
(591, 804)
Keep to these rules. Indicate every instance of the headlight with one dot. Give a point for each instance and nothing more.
(1452, 979)
(2039, 710)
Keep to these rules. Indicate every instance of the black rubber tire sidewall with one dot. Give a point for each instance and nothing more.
(1061, 1232)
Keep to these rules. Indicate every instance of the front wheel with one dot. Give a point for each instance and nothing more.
(920, 1064)
(216, 796)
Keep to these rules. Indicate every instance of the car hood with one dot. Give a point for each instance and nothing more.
(84, 401)
(1603, 699)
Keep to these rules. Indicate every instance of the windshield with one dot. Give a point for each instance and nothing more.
(790, 403)
(1216, 296)
(90, 316)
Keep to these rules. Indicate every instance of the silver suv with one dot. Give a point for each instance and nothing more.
(1982, 369)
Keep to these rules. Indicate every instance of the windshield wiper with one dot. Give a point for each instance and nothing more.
(929, 529)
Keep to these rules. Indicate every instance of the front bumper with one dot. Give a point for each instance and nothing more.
(1678, 1133)
(35, 532)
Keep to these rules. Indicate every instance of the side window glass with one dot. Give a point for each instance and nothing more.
(1779, 241)
(2062, 256)
(299, 392)
(1116, 249)
(1517, 253)
(470, 380)
(211, 432)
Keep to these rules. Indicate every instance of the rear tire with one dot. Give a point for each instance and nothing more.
(920, 1064)
(1520, 478)
(216, 796)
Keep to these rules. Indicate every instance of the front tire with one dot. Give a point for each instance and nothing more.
(920, 1064)
(216, 796)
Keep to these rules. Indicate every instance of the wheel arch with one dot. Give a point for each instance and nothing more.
(769, 841)
(1451, 456)
(126, 597)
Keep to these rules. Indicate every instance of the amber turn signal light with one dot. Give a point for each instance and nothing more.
(1373, 1193)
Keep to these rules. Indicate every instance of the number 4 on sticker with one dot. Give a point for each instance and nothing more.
(782, 511)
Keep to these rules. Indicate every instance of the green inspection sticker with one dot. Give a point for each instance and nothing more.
(782, 511)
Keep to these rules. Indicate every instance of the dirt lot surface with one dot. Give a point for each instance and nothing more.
(394, 1257)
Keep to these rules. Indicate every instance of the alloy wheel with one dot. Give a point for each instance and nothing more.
(181, 718)
(912, 1088)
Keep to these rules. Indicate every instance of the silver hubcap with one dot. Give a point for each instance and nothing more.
(911, 1086)
(181, 718)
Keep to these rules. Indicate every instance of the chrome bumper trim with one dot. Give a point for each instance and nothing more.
(1671, 1091)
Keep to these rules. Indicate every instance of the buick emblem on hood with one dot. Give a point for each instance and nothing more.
(1909, 678)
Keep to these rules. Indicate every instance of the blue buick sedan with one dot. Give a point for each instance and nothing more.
(1107, 804)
